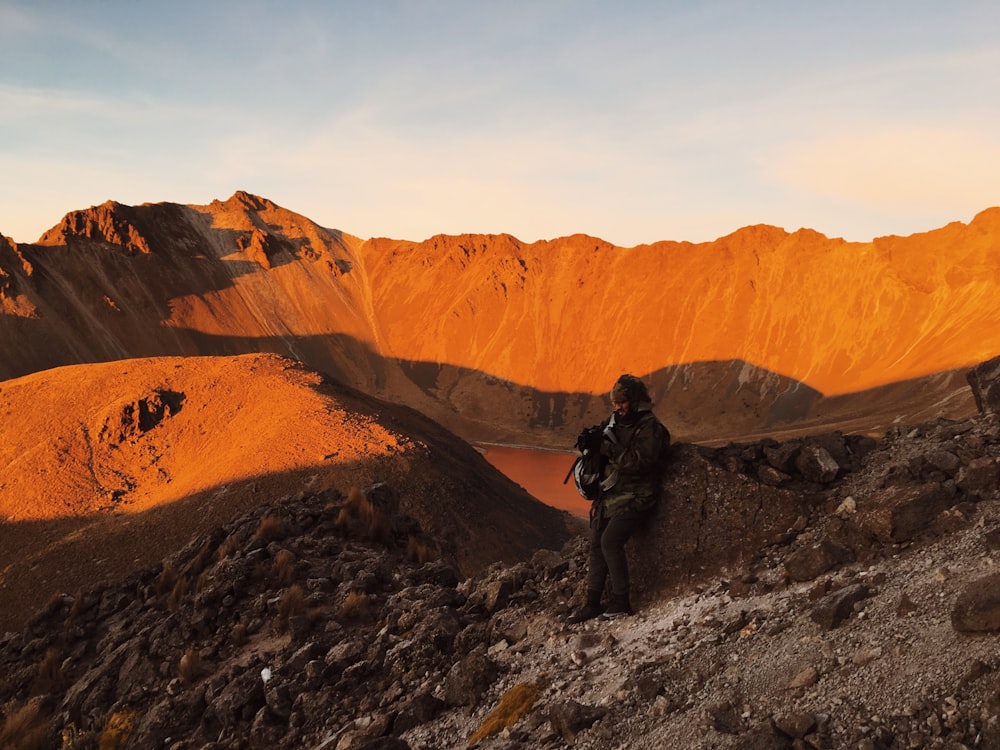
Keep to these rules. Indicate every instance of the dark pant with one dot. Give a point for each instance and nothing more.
(607, 554)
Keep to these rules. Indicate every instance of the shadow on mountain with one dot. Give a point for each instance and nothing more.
(710, 401)
(473, 514)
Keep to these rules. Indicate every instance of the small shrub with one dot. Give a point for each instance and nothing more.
(25, 728)
(81, 602)
(419, 552)
(228, 546)
(189, 667)
(167, 579)
(377, 526)
(271, 529)
(355, 607)
(356, 502)
(177, 594)
(372, 523)
(117, 730)
(352, 508)
(49, 676)
(284, 565)
(292, 604)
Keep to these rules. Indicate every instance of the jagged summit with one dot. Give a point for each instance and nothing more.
(247, 201)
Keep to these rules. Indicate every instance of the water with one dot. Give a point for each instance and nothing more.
(541, 473)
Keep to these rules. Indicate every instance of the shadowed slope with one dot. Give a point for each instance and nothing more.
(153, 450)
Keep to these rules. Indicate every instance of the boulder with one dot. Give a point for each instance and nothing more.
(977, 608)
(834, 608)
(901, 513)
(984, 379)
(815, 464)
(708, 520)
(810, 562)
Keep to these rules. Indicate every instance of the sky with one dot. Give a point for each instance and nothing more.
(629, 121)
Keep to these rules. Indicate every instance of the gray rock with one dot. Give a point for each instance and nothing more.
(835, 608)
(816, 464)
(984, 380)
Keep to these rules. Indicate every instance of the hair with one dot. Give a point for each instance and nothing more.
(630, 388)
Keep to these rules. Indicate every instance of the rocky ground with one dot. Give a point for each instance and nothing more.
(324, 622)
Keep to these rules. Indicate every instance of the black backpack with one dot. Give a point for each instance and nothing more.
(588, 468)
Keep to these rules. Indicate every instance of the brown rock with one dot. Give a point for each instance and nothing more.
(809, 562)
(901, 513)
(796, 725)
(806, 678)
(468, 679)
(977, 608)
(979, 477)
(770, 475)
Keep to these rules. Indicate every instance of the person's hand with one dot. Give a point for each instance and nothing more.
(589, 439)
(607, 449)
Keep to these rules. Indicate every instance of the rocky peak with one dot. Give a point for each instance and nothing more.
(111, 223)
(247, 201)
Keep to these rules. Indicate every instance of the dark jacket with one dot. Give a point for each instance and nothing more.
(635, 449)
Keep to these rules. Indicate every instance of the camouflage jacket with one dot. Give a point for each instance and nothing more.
(635, 451)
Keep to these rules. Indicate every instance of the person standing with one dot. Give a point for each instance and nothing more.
(632, 444)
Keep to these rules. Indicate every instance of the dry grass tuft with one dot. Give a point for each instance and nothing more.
(167, 579)
(117, 730)
(271, 529)
(420, 552)
(284, 565)
(229, 545)
(203, 581)
(355, 607)
(199, 563)
(373, 524)
(50, 674)
(177, 594)
(189, 667)
(514, 704)
(25, 728)
(377, 526)
(292, 604)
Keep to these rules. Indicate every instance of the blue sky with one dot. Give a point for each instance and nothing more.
(630, 121)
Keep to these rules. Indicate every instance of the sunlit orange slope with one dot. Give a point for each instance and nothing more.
(566, 315)
(573, 313)
(129, 436)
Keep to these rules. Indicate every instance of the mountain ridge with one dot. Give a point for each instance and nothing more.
(555, 316)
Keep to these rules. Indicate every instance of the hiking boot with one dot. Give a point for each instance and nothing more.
(618, 608)
(587, 612)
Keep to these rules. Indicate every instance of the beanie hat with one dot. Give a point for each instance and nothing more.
(629, 388)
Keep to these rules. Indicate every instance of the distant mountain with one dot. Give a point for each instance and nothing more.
(510, 341)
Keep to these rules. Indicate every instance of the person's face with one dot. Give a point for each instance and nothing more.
(620, 407)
